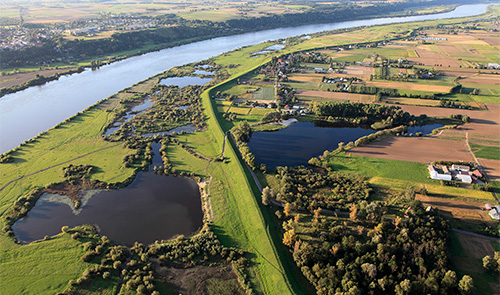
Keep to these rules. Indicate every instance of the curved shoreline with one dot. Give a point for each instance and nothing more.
(116, 58)
(33, 115)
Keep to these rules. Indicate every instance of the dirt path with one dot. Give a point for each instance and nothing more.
(53, 166)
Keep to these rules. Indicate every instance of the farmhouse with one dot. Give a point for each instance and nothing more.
(495, 213)
(439, 174)
(460, 168)
(464, 177)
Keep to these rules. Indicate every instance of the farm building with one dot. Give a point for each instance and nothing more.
(495, 213)
(439, 174)
(460, 168)
(464, 177)
(488, 207)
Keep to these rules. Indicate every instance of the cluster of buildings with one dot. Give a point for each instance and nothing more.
(91, 27)
(18, 37)
(460, 173)
(15, 38)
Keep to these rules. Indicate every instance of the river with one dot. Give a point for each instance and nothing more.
(26, 113)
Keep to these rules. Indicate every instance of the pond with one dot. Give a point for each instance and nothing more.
(188, 128)
(129, 115)
(299, 142)
(202, 72)
(184, 81)
(425, 129)
(153, 207)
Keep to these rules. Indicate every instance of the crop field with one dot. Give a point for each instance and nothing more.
(410, 86)
(465, 258)
(415, 149)
(486, 152)
(473, 212)
(412, 101)
(433, 189)
(307, 78)
(492, 168)
(327, 95)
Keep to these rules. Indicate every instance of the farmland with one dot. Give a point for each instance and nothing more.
(389, 166)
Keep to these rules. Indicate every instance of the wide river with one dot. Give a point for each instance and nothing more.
(26, 113)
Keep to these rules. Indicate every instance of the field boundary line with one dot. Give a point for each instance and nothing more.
(53, 166)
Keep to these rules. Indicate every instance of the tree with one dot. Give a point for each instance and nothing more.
(353, 215)
(289, 237)
(369, 269)
(466, 285)
(449, 280)
(266, 195)
(492, 263)
(288, 209)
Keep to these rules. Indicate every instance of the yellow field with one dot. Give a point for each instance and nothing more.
(433, 189)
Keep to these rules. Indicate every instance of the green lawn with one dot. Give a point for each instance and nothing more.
(486, 152)
(43, 267)
(371, 167)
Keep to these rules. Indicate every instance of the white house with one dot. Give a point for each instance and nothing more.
(460, 168)
(437, 174)
(464, 177)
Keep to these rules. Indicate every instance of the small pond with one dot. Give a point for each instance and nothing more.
(425, 129)
(296, 144)
(153, 207)
(202, 72)
(188, 128)
(184, 81)
(129, 115)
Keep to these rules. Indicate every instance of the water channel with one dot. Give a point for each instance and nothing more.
(26, 113)
(153, 207)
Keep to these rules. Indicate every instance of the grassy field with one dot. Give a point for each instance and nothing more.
(464, 263)
(436, 190)
(77, 142)
(43, 267)
(486, 152)
(400, 175)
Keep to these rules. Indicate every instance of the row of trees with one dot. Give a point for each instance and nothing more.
(242, 135)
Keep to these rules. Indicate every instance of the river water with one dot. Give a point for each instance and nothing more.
(26, 113)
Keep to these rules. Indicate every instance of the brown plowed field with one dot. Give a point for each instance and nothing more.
(353, 97)
(431, 58)
(410, 86)
(482, 122)
(457, 209)
(359, 70)
(307, 78)
(482, 79)
(475, 246)
(415, 149)
(492, 168)
(17, 79)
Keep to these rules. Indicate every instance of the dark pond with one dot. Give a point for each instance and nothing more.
(184, 81)
(299, 142)
(153, 207)
(425, 129)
